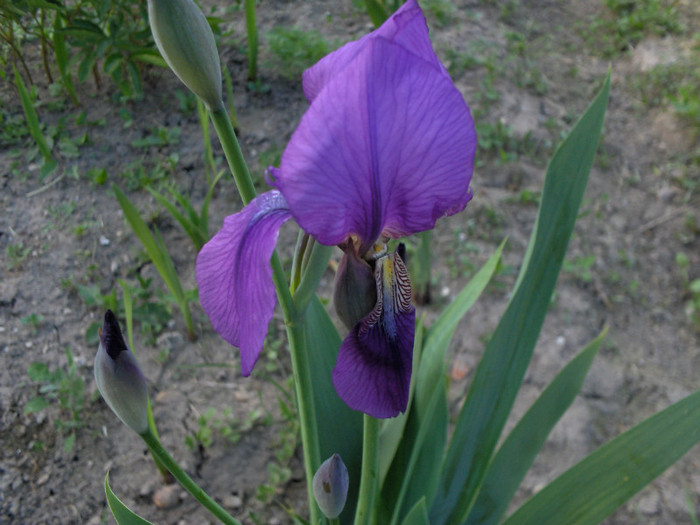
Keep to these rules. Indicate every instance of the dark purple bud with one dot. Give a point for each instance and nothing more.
(355, 288)
(331, 486)
(119, 378)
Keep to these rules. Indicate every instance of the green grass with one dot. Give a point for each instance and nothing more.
(624, 23)
(295, 50)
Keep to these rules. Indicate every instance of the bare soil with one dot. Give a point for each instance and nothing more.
(639, 211)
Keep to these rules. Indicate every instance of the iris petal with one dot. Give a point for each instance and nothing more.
(388, 144)
(373, 371)
(406, 27)
(235, 277)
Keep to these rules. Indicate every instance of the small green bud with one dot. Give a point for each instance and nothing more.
(331, 486)
(119, 378)
(185, 40)
(355, 291)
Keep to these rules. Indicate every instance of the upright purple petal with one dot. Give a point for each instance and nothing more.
(406, 27)
(373, 370)
(387, 144)
(235, 277)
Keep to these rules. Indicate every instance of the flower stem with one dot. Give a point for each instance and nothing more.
(370, 471)
(188, 483)
(234, 155)
(307, 412)
(293, 316)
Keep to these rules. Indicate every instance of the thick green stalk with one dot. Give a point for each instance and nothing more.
(292, 315)
(307, 412)
(234, 155)
(188, 483)
(370, 471)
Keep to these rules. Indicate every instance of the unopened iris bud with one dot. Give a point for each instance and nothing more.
(119, 378)
(186, 41)
(355, 288)
(331, 486)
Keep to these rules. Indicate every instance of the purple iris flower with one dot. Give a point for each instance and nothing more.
(385, 149)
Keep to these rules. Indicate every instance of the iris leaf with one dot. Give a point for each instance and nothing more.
(122, 514)
(505, 360)
(518, 451)
(437, 339)
(597, 485)
(418, 515)
(339, 427)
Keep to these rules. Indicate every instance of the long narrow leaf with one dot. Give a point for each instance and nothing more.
(502, 367)
(593, 488)
(418, 515)
(61, 54)
(392, 430)
(518, 451)
(339, 427)
(32, 117)
(431, 434)
(437, 340)
(159, 258)
(122, 514)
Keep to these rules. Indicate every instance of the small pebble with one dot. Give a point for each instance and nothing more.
(233, 502)
(167, 497)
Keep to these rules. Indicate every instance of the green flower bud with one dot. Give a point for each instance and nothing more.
(119, 378)
(185, 40)
(355, 291)
(331, 486)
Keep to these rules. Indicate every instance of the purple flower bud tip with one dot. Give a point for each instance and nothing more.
(331, 486)
(111, 336)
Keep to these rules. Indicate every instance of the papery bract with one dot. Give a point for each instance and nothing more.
(385, 149)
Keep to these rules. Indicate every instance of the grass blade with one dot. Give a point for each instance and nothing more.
(123, 515)
(32, 118)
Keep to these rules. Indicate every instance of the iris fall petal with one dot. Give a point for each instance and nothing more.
(373, 370)
(235, 277)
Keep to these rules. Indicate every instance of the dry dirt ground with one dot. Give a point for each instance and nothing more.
(640, 210)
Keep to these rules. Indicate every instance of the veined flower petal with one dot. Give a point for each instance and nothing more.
(406, 27)
(235, 277)
(373, 370)
(387, 145)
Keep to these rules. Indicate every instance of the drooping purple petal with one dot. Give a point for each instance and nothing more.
(373, 370)
(235, 277)
(406, 27)
(387, 144)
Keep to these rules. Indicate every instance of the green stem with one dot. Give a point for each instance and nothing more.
(234, 155)
(292, 315)
(252, 30)
(188, 483)
(370, 471)
(307, 412)
(311, 274)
